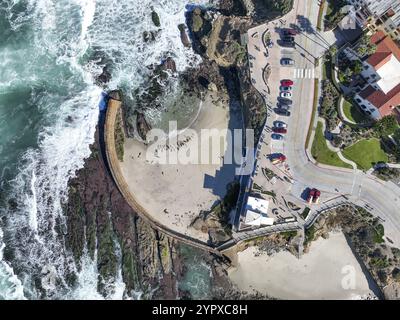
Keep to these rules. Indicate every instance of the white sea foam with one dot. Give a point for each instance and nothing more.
(70, 114)
(11, 287)
(117, 31)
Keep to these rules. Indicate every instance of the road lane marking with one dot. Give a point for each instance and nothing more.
(304, 73)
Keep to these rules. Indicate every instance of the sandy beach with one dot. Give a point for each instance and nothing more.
(175, 193)
(317, 275)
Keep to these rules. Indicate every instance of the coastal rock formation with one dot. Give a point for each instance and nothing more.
(142, 126)
(216, 222)
(365, 234)
(149, 97)
(104, 77)
(149, 36)
(218, 37)
(219, 41)
(101, 222)
(184, 37)
(155, 18)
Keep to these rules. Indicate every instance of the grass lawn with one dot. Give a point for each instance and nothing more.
(314, 111)
(321, 152)
(353, 113)
(320, 13)
(365, 153)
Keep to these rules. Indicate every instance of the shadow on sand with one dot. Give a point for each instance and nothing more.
(227, 173)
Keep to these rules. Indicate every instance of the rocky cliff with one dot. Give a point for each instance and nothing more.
(219, 38)
(365, 235)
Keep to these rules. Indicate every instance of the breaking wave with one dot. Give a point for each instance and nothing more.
(54, 51)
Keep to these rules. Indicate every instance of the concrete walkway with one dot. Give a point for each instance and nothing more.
(341, 111)
(335, 149)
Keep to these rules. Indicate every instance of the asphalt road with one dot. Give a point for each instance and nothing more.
(382, 198)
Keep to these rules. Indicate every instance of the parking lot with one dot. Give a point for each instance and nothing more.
(288, 196)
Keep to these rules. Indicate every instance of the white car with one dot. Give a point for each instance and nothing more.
(286, 94)
(280, 124)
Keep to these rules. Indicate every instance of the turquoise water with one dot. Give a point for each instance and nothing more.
(50, 53)
(197, 279)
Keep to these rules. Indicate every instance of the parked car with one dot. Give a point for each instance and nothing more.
(279, 130)
(282, 112)
(286, 94)
(288, 38)
(287, 62)
(289, 32)
(277, 158)
(289, 44)
(286, 88)
(287, 82)
(313, 196)
(276, 136)
(280, 124)
(284, 106)
(285, 101)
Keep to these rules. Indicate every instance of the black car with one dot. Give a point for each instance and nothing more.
(289, 44)
(288, 38)
(284, 106)
(285, 101)
(287, 62)
(282, 112)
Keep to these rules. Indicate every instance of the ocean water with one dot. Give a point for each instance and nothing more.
(50, 53)
(197, 278)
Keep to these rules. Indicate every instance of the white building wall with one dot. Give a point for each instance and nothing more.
(367, 106)
(369, 73)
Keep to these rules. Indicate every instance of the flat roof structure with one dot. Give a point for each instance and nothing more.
(389, 74)
(257, 213)
(257, 220)
(257, 205)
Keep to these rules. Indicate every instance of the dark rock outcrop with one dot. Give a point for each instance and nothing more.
(365, 236)
(142, 126)
(184, 37)
(155, 18)
(99, 218)
(149, 36)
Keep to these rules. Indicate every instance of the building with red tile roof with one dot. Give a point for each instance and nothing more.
(381, 96)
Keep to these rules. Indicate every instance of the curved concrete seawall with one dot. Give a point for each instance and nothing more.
(113, 108)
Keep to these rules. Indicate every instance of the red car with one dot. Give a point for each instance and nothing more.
(290, 32)
(286, 83)
(279, 130)
(313, 196)
(316, 196)
(278, 158)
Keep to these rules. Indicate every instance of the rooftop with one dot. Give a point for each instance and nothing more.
(258, 205)
(384, 102)
(385, 48)
(257, 219)
(256, 212)
(389, 74)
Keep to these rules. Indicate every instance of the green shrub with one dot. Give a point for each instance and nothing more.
(386, 126)
(197, 23)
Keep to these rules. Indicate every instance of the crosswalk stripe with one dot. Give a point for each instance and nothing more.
(304, 73)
